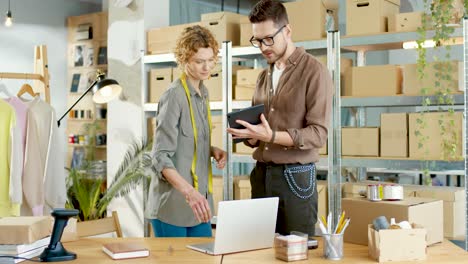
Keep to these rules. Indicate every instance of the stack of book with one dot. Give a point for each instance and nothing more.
(22, 251)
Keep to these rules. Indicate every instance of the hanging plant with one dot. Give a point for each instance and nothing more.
(443, 17)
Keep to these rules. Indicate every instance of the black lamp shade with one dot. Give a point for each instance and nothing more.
(106, 90)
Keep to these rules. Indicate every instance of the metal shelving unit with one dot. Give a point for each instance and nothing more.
(333, 46)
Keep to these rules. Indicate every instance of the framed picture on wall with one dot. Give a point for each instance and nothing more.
(78, 55)
(89, 57)
(102, 56)
(75, 83)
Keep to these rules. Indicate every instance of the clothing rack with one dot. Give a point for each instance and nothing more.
(41, 73)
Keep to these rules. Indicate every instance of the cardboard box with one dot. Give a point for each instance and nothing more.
(224, 26)
(394, 135)
(324, 149)
(345, 64)
(397, 244)
(246, 81)
(217, 131)
(245, 32)
(242, 188)
(378, 80)
(360, 141)
(163, 40)
(422, 211)
(405, 22)
(217, 192)
(310, 26)
(214, 84)
(23, 229)
(366, 17)
(160, 79)
(432, 129)
(454, 199)
(412, 85)
(322, 190)
(241, 148)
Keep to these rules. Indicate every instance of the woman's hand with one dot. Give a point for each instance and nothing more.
(220, 156)
(199, 204)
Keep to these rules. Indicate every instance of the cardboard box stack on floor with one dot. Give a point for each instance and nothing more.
(366, 17)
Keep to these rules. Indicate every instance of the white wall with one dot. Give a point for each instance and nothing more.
(36, 23)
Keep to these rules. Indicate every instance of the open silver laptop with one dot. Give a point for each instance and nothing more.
(242, 225)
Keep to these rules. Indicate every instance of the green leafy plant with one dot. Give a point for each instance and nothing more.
(441, 19)
(89, 195)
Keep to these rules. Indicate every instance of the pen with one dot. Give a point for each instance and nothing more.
(329, 222)
(322, 227)
(324, 222)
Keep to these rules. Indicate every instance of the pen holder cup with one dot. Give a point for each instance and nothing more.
(292, 247)
(333, 246)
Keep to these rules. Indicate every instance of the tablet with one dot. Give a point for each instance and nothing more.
(249, 114)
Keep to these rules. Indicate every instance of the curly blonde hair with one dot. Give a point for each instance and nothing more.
(192, 39)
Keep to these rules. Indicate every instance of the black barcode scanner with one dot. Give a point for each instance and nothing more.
(55, 251)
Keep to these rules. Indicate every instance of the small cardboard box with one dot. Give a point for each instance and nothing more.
(366, 17)
(224, 26)
(432, 130)
(310, 26)
(242, 188)
(378, 80)
(23, 229)
(422, 211)
(163, 39)
(404, 22)
(217, 131)
(360, 141)
(454, 207)
(246, 81)
(160, 79)
(397, 244)
(412, 85)
(394, 135)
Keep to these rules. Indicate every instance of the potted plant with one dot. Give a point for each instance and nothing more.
(88, 193)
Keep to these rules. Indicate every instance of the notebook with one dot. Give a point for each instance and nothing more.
(242, 225)
(125, 250)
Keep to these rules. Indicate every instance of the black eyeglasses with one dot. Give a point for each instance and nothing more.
(268, 41)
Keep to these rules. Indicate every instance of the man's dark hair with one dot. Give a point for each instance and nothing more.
(269, 10)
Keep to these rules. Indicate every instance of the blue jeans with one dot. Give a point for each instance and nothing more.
(162, 229)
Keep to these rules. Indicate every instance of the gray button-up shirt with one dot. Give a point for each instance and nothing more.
(173, 148)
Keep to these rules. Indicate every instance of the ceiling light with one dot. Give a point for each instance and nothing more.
(414, 45)
(8, 18)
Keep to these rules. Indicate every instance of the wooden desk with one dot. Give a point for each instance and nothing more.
(173, 250)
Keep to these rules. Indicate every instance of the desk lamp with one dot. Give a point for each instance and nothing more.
(55, 251)
(106, 91)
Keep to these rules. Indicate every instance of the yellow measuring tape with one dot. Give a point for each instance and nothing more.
(195, 134)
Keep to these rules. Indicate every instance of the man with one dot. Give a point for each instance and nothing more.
(297, 91)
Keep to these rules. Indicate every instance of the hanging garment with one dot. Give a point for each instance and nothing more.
(10, 165)
(21, 109)
(44, 173)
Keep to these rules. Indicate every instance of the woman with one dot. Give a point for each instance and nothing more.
(180, 198)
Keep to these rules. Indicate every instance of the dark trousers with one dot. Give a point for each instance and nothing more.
(297, 210)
